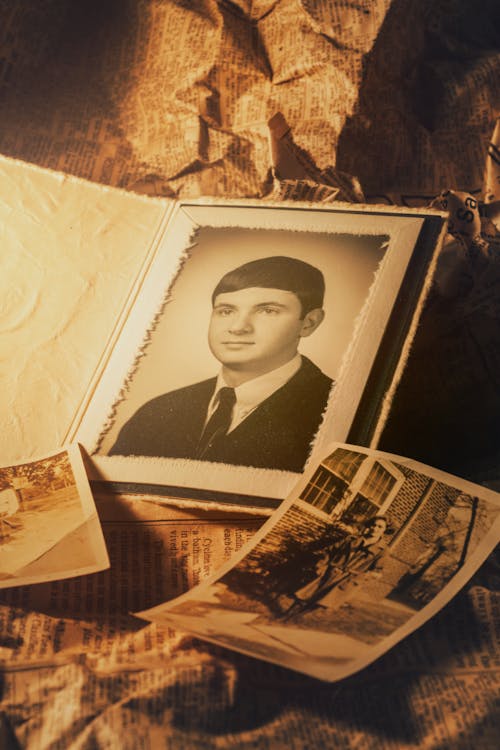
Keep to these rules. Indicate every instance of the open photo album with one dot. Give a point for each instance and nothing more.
(255, 334)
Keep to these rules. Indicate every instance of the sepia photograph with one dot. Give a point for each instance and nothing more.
(250, 344)
(269, 330)
(49, 527)
(365, 552)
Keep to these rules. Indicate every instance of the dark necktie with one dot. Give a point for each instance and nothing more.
(220, 421)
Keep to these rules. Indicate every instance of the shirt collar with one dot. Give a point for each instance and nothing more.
(251, 393)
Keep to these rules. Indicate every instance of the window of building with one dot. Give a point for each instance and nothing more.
(345, 463)
(372, 494)
(324, 490)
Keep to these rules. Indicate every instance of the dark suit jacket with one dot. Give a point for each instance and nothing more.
(276, 435)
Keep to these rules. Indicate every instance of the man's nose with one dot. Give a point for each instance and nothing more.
(241, 323)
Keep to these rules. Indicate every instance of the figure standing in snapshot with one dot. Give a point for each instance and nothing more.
(443, 554)
(9, 506)
(265, 406)
(339, 566)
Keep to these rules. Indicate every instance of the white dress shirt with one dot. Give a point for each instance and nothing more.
(253, 392)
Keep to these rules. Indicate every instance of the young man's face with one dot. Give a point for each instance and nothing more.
(375, 531)
(255, 330)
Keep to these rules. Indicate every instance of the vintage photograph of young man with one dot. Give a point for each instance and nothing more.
(275, 331)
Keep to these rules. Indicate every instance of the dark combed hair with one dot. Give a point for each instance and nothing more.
(277, 272)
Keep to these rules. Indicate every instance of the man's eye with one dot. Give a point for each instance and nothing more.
(269, 310)
(223, 312)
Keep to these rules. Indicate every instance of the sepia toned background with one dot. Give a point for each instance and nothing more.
(172, 98)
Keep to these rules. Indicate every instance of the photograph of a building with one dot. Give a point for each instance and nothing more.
(367, 544)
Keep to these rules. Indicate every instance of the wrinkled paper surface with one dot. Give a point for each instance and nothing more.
(172, 100)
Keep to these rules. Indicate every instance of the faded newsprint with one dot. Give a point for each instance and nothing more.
(156, 552)
(114, 96)
(108, 679)
(365, 550)
(70, 645)
(107, 92)
(49, 528)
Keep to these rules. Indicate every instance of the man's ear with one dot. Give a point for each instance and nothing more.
(311, 321)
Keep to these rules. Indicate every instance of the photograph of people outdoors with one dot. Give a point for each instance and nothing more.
(48, 521)
(365, 546)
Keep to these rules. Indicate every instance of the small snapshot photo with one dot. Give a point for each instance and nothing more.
(49, 527)
(365, 553)
(250, 343)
